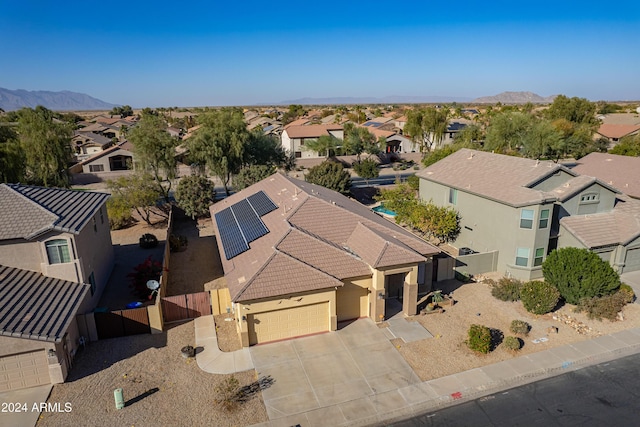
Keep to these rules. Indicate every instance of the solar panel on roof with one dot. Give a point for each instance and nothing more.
(233, 242)
(261, 203)
(250, 223)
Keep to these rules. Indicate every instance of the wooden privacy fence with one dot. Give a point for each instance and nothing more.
(185, 307)
(122, 323)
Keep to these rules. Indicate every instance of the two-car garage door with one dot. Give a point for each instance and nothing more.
(288, 323)
(24, 370)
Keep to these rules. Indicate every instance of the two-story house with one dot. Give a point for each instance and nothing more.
(294, 137)
(523, 209)
(56, 257)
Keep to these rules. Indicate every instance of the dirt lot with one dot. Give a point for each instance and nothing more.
(446, 353)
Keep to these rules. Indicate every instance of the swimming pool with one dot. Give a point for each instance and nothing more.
(381, 209)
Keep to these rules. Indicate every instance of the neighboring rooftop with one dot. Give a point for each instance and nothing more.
(309, 241)
(617, 131)
(311, 131)
(38, 307)
(621, 172)
(26, 211)
(495, 176)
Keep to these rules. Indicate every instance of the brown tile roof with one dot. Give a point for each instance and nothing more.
(617, 131)
(298, 122)
(379, 132)
(620, 119)
(323, 221)
(26, 211)
(619, 226)
(621, 172)
(322, 255)
(310, 131)
(33, 306)
(282, 275)
(504, 179)
(574, 185)
(380, 250)
(126, 145)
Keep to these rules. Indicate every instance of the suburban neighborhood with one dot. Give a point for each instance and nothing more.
(325, 265)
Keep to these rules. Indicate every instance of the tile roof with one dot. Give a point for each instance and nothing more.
(619, 226)
(617, 131)
(379, 132)
(621, 172)
(311, 227)
(310, 131)
(37, 307)
(125, 145)
(298, 122)
(574, 185)
(26, 211)
(93, 137)
(380, 250)
(502, 178)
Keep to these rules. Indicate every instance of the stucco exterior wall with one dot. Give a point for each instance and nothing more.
(22, 254)
(573, 206)
(487, 226)
(552, 181)
(104, 161)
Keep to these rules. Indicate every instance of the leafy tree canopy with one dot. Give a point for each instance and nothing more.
(195, 194)
(138, 191)
(249, 175)
(264, 149)
(628, 146)
(330, 175)
(367, 169)
(576, 110)
(579, 273)
(427, 127)
(325, 144)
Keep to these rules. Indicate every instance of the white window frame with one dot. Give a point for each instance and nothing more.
(546, 220)
(453, 196)
(589, 198)
(530, 220)
(520, 255)
(55, 249)
(538, 260)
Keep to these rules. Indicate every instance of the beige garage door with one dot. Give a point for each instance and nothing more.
(632, 260)
(288, 323)
(352, 302)
(24, 370)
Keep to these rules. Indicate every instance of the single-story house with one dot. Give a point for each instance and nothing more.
(299, 259)
(87, 144)
(615, 132)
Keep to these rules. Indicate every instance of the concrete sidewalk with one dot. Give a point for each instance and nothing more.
(404, 402)
(209, 356)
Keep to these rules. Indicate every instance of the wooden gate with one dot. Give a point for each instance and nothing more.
(122, 323)
(185, 307)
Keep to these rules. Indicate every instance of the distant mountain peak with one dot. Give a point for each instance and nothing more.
(63, 100)
(395, 99)
(515, 98)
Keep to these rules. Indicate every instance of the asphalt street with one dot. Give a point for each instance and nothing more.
(602, 395)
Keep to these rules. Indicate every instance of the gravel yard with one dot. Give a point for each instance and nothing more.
(161, 387)
(446, 353)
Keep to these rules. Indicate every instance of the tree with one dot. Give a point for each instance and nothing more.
(123, 111)
(541, 140)
(138, 191)
(155, 151)
(427, 127)
(367, 169)
(330, 175)
(46, 145)
(293, 113)
(249, 175)
(195, 194)
(220, 142)
(11, 155)
(579, 273)
(628, 146)
(576, 110)
(439, 154)
(264, 149)
(325, 144)
(507, 131)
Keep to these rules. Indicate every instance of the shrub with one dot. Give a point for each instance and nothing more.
(148, 241)
(520, 327)
(627, 291)
(539, 297)
(579, 273)
(512, 343)
(227, 394)
(414, 181)
(506, 289)
(479, 339)
(606, 307)
(367, 169)
(195, 194)
(330, 175)
(119, 212)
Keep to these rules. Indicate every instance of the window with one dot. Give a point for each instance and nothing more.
(522, 257)
(590, 198)
(58, 251)
(537, 260)
(526, 218)
(298, 154)
(544, 218)
(453, 196)
(302, 142)
(92, 282)
(96, 168)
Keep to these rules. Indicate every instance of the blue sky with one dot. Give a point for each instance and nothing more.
(242, 52)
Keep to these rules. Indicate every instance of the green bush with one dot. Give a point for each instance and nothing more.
(330, 175)
(512, 343)
(506, 289)
(119, 212)
(579, 273)
(195, 194)
(627, 290)
(520, 327)
(479, 339)
(539, 297)
(367, 169)
(606, 307)
(414, 182)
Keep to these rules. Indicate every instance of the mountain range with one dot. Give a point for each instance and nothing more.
(515, 98)
(59, 101)
(344, 100)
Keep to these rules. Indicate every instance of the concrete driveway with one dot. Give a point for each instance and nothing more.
(632, 279)
(331, 369)
(25, 398)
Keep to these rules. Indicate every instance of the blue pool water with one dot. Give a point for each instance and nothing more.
(381, 209)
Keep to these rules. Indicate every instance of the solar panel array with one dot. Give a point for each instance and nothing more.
(241, 223)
